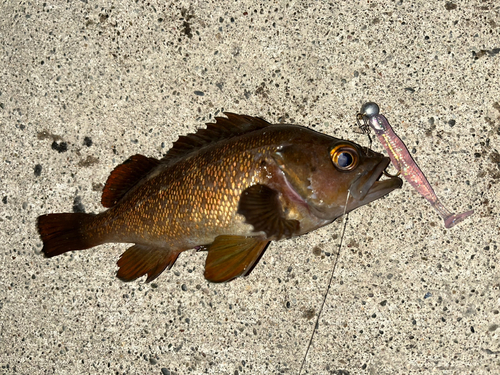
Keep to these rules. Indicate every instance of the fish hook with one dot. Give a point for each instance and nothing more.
(364, 126)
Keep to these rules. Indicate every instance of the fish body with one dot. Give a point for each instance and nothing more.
(229, 189)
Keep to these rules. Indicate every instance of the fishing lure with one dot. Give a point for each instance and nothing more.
(402, 160)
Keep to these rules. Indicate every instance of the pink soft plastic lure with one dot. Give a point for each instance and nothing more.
(404, 163)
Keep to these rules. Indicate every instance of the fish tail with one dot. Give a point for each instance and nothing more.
(65, 232)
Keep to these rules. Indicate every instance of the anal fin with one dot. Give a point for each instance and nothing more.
(139, 260)
(233, 256)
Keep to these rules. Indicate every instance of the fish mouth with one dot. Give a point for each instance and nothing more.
(368, 187)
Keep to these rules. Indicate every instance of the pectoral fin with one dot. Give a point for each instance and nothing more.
(232, 256)
(262, 208)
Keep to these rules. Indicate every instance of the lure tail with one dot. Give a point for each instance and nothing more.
(456, 218)
(65, 232)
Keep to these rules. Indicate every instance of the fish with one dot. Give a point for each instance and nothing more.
(404, 163)
(229, 189)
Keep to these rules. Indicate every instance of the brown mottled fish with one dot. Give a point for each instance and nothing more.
(230, 189)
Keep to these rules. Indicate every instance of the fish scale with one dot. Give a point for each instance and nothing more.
(229, 189)
(192, 193)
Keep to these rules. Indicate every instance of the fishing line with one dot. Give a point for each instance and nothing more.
(329, 283)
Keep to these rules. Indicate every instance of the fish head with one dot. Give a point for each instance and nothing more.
(323, 173)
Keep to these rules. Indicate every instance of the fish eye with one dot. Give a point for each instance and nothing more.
(344, 157)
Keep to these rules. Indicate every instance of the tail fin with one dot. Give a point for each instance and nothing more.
(65, 232)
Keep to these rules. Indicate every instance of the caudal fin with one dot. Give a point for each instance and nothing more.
(65, 232)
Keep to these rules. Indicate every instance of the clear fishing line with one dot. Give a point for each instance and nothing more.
(329, 283)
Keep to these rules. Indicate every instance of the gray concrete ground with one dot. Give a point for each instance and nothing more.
(84, 85)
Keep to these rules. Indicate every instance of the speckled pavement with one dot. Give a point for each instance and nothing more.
(84, 85)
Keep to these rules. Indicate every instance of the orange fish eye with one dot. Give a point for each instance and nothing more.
(345, 157)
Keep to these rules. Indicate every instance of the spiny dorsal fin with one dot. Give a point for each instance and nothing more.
(223, 128)
(125, 176)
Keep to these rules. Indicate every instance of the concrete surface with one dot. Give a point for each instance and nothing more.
(84, 85)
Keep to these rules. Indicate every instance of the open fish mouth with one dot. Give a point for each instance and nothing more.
(369, 187)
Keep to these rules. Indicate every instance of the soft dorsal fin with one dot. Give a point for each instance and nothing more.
(223, 128)
(125, 176)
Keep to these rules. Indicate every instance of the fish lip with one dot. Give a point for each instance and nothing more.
(367, 190)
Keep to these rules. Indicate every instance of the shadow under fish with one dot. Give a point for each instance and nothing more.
(229, 189)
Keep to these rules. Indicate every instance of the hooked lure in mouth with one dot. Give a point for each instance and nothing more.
(403, 162)
(229, 189)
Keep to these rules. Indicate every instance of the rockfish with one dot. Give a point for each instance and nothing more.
(229, 189)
